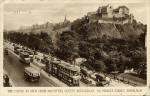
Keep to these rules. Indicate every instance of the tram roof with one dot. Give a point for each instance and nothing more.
(24, 53)
(69, 66)
(65, 65)
(31, 70)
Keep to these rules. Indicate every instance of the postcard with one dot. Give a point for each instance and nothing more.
(74, 47)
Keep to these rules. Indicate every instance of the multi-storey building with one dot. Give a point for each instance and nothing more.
(121, 11)
(109, 12)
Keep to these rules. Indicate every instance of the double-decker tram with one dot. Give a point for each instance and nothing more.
(16, 50)
(64, 71)
(31, 74)
(24, 57)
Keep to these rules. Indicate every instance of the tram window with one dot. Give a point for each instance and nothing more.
(60, 75)
(35, 75)
(69, 71)
(73, 73)
(65, 70)
(69, 80)
(76, 74)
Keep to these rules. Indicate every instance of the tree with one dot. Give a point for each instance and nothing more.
(67, 46)
(99, 66)
(40, 41)
(125, 62)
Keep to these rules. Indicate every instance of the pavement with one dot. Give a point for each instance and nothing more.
(116, 83)
(83, 84)
(132, 79)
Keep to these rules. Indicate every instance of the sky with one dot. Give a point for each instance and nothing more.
(17, 15)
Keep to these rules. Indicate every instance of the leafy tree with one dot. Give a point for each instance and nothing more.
(40, 42)
(67, 46)
(99, 66)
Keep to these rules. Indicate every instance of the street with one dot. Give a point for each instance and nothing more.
(15, 70)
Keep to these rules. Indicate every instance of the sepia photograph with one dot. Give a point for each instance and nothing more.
(75, 45)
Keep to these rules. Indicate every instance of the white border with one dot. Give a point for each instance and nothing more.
(3, 91)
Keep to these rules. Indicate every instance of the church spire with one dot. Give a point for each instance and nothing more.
(65, 19)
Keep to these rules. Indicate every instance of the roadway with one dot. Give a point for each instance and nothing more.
(15, 71)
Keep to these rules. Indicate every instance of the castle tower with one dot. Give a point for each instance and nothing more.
(132, 17)
(110, 11)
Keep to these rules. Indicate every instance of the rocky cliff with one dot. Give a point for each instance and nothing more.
(99, 30)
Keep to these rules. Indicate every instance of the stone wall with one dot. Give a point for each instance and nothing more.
(114, 22)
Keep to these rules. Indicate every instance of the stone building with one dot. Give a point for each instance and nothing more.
(108, 11)
(121, 11)
(107, 14)
(105, 11)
